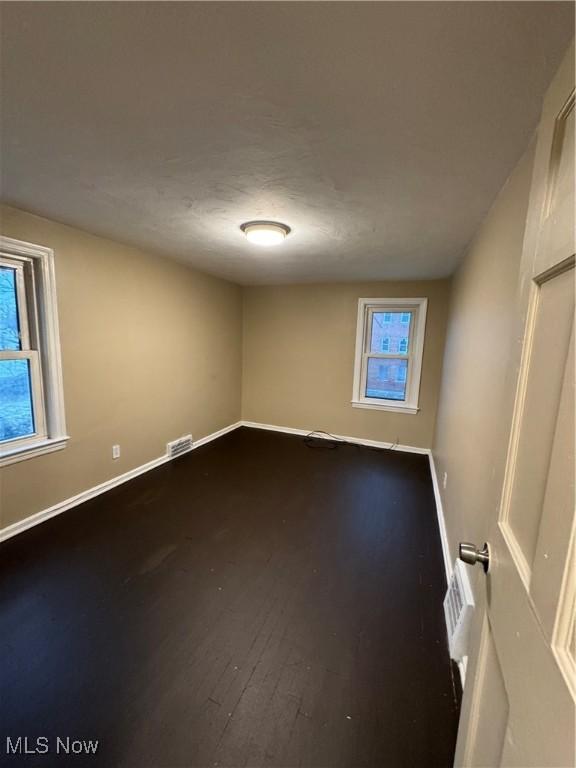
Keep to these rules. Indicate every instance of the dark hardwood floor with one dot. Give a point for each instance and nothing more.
(257, 602)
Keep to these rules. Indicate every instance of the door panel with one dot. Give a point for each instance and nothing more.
(491, 718)
(552, 325)
(554, 534)
(541, 719)
(558, 215)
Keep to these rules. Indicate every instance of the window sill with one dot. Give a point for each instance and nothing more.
(12, 455)
(385, 407)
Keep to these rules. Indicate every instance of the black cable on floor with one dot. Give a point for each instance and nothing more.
(331, 442)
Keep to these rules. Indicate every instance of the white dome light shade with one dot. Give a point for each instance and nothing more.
(265, 232)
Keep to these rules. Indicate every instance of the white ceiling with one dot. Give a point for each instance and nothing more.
(380, 132)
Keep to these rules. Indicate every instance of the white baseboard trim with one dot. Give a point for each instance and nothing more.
(107, 485)
(73, 501)
(356, 440)
(216, 435)
(441, 520)
(448, 567)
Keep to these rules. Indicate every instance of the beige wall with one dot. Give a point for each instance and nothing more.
(299, 359)
(151, 351)
(474, 415)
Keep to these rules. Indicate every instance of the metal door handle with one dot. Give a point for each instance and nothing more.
(469, 553)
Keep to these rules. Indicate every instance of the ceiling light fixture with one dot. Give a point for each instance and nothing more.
(265, 232)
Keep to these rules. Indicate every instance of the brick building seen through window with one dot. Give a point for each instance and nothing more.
(391, 335)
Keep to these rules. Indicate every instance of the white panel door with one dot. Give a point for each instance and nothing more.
(519, 706)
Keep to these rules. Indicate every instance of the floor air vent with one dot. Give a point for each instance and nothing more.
(180, 446)
(458, 609)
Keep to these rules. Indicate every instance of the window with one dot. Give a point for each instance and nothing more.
(31, 401)
(389, 348)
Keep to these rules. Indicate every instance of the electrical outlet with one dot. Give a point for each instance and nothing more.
(115, 451)
(445, 480)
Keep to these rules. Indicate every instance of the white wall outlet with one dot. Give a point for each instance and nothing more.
(115, 451)
(445, 480)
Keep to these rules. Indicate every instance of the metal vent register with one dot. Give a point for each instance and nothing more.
(458, 609)
(180, 446)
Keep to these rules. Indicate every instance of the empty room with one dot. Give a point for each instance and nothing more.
(287, 384)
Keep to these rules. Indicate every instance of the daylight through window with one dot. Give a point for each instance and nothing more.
(31, 407)
(389, 348)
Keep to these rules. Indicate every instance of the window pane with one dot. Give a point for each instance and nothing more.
(393, 326)
(386, 378)
(16, 416)
(9, 331)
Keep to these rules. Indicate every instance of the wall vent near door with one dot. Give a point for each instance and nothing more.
(180, 446)
(458, 609)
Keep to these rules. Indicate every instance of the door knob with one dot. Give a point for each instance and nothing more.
(469, 553)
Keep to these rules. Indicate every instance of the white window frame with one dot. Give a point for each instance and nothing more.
(40, 345)
(366, 308)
